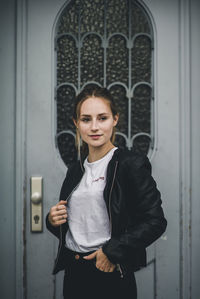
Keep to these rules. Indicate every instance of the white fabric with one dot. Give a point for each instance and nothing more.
(89, 226)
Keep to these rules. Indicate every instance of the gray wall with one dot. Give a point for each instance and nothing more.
(7, 149)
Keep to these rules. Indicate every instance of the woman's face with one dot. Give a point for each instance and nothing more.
(96, 122)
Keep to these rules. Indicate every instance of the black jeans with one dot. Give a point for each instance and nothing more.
(83, 280)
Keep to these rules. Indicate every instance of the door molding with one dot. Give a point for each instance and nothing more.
(20, 153)
(185, 149)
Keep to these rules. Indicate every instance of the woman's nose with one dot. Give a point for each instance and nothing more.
(94, 125)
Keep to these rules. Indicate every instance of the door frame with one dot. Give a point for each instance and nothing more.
(20, 160)
(185, 104)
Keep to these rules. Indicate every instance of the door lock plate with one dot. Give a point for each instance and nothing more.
(36, 204)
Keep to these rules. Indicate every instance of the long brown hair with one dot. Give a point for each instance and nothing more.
(88, 92)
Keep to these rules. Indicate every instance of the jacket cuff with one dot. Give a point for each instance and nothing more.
(112, 250)
(54, 230)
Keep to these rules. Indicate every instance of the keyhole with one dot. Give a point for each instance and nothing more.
(36, 219)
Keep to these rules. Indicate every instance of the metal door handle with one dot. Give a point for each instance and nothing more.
(36, 204)
(36, 198)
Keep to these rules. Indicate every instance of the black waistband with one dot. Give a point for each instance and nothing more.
(80, 254)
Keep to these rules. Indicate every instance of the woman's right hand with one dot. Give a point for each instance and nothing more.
(58, 213)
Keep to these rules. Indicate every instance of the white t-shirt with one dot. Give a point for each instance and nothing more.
(89, 225)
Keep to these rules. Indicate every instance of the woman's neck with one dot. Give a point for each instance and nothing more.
(96, 153)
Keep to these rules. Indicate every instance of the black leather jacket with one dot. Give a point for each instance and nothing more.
(134, 207)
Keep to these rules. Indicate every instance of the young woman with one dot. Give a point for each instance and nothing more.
(109, 209)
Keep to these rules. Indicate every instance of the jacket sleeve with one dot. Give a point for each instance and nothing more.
(143, 201)
(55, 230)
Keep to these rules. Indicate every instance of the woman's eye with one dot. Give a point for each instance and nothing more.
(85, 119)
(103, 118)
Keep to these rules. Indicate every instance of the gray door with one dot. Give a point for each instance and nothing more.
(43, 159)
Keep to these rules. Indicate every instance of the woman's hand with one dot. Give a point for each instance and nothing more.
(102, 262)
(58, 213)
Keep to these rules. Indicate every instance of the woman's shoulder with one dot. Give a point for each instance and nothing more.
(131, 158)
(74, 167)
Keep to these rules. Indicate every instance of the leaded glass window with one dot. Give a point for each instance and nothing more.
(108, 43)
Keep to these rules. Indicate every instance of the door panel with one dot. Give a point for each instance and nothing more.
(43, 159)
(165, 160)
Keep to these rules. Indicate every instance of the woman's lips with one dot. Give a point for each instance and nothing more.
(95, 136)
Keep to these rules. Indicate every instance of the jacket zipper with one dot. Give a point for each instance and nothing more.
(120, 270)
(110, 197)
(118, 265)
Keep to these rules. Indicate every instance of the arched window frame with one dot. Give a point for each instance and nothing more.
(129, 140)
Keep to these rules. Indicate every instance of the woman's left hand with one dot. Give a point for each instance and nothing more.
(102, 262)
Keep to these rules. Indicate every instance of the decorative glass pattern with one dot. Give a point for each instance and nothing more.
(65, 104)
(117, 17)
(141, 60)
(141, 110)
(119, 94)
(108, 43)
(92, 16)
(140, 22)
(92, 60)
(117, 60)
(67, 60)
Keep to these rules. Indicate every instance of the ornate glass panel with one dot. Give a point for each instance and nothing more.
(141, 59)
(117, 60)
(108, 43)
(121, 101)
(117, 17)
(67, 60)
(91, 16)
(92, 60)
